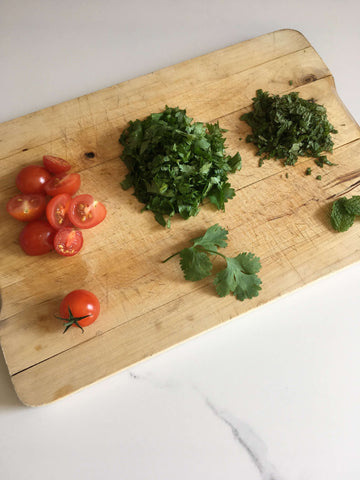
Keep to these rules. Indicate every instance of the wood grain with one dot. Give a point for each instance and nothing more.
(278, 213)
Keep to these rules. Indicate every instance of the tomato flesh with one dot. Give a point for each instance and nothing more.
(68, 241)
(32, 179)
(56, 211)
(80, 302)
(26, 206)
(85, 212)
(63, 183)
(37, 237)
(56, 164)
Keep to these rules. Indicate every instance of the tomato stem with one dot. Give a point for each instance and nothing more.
(72, 321)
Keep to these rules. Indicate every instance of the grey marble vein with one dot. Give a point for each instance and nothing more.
(248, 440)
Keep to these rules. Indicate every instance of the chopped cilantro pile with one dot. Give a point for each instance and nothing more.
(238, 277)
(175, 164)
(343, 212)
(286, 127)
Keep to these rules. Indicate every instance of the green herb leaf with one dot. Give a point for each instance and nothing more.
(352, 205)
(239, 277)
(175, 164)
(340, 218)
(286, 127)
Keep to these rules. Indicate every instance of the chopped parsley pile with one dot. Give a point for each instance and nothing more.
(286, 127)
(175, 164)
(238, 277)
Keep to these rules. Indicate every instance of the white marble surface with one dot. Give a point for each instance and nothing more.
(272, 395)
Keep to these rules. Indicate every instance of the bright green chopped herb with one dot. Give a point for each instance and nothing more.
(286, 127)
(175, 164)
(238, 277)
(308, 171)
(344, 211)
(318, 177)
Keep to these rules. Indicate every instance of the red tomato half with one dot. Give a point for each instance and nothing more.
(56, 164)
(85, 212)
(81, 303)
(56, 211)
(32, 179)
(37, 237)
(27, 206)
(63, 183)
(68, 241)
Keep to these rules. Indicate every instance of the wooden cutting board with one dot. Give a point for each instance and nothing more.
(279, 213)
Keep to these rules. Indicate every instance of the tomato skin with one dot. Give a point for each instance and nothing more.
(26, 206)
(85, 212)
(68, 241)
(56, 211)
(63, 183)
(81, 302)
(55, 164)
(32, 179)
(37, 237)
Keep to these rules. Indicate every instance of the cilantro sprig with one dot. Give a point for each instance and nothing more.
(344, 211)
(175, 164)
(239, 275)
(286, 127)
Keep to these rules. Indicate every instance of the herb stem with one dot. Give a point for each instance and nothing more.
(171, 256)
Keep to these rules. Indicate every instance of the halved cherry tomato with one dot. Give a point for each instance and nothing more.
(26, 206)
(63, 183)
(37, 237)
(56, 211)
(85, 212)
(56, 164)
(68, 241)
(32, 179)
(79, 308)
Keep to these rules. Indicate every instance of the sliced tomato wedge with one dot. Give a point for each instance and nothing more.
(85, 212)
(55, 164)
(56, 211)
(68, 241)
(63, 183)
(27, 207)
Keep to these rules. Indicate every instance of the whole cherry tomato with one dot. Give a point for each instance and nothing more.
(79, 308)
(32, 179)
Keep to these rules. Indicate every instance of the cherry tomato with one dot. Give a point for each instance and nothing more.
(77, 305)
(85, 212)
(56, 211)
(37, 237)
(56, 164)
(68, 241)
(32, 179)
(63, 183)
(27, 206)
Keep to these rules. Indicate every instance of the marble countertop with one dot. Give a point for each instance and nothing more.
(271, 395)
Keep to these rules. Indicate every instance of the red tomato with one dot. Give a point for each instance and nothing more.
(56, 211)
(63, 183)
(27, 206)
(85, 212)
(32, 179)
(79, 308)
(37, 237)
(68, 241)
(56, 164)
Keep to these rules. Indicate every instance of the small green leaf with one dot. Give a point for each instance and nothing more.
(196, 265)
(340, 218)
(215, 236)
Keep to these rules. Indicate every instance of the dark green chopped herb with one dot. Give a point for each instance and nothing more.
(290, 82)
(175, 164)
(286, 175)
(343, 212)
(238, 277)
(308, 171)
(318, 177)
(286, 127)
